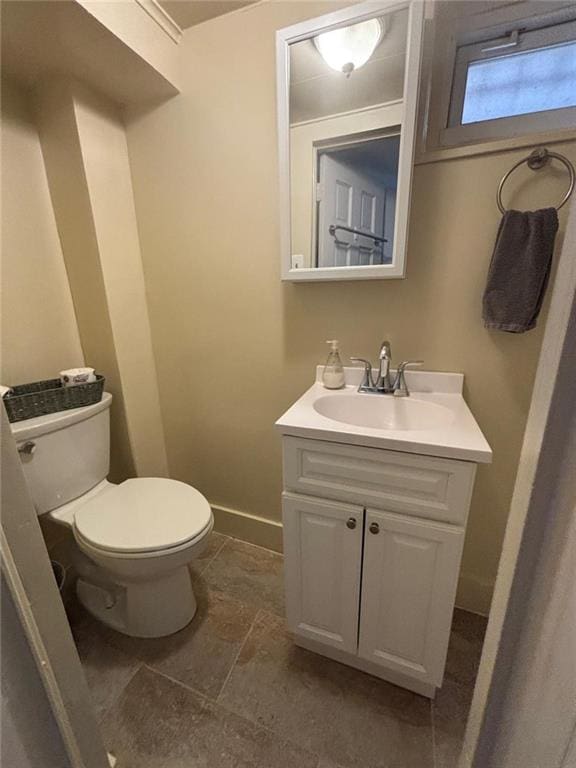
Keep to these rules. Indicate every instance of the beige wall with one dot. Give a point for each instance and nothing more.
(145, 29)
(105, 161)
(127, 50)
(62, 154)
(235, 347)
(85, 152)
(75, 226)
(39, 331)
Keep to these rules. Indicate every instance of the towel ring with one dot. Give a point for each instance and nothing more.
(536, 160)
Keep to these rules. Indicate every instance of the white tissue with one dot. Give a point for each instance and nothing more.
(74, 376)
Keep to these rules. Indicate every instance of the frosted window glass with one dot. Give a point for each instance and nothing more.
(519, 84)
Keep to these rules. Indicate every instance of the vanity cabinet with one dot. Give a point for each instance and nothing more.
(372, 542)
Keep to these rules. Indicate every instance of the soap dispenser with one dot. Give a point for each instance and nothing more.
(333, 375)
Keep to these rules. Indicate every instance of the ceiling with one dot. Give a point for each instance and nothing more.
(187, 13)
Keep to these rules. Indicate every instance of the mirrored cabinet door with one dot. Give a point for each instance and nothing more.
(347, 99)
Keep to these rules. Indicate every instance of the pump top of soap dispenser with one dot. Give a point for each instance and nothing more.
(333, 375)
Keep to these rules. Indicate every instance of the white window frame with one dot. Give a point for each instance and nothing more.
(530, 122)
(542, 24)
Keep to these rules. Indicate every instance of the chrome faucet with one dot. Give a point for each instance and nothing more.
(384, 384)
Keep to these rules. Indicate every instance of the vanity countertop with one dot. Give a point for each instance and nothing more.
(434, 421)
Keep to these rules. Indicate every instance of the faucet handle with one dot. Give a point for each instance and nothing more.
(367, 381)
(408, 364)
(400, 386)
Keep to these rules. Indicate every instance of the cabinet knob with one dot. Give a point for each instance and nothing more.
(374, 528)
(351, 523)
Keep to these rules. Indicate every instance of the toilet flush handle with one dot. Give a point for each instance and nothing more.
(27, 448)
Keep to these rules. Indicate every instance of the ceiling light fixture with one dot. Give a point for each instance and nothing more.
(349, 48)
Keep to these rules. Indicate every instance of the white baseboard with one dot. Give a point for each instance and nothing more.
(247, 527)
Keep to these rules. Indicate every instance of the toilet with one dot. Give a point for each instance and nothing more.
(134, 540)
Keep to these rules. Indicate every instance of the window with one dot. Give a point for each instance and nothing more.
(520, 83)
(518, 80)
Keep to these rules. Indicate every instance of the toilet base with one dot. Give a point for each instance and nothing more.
(154, 608)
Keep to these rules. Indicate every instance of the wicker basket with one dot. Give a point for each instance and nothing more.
(26, 401)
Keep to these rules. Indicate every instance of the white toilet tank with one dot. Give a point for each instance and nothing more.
(70, 455)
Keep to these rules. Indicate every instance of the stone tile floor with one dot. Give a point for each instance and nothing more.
(232, 691)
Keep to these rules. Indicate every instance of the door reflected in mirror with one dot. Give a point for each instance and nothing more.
(347, 106)
(356, 203)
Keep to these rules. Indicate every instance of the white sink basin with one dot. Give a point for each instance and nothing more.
(433, 421)
(384, 412)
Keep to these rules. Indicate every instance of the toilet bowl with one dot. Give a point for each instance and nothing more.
(134, 541)
(141, 535)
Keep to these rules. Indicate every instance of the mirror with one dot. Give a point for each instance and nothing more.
(347, 95)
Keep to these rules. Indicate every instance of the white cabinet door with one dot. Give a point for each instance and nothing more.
(408, 588)
(322, 562)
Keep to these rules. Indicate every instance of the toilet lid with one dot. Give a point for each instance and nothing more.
(143, 515)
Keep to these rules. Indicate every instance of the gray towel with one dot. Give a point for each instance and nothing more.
(519, 270)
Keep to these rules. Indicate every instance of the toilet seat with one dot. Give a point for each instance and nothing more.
(108, 555)
(143, 515)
